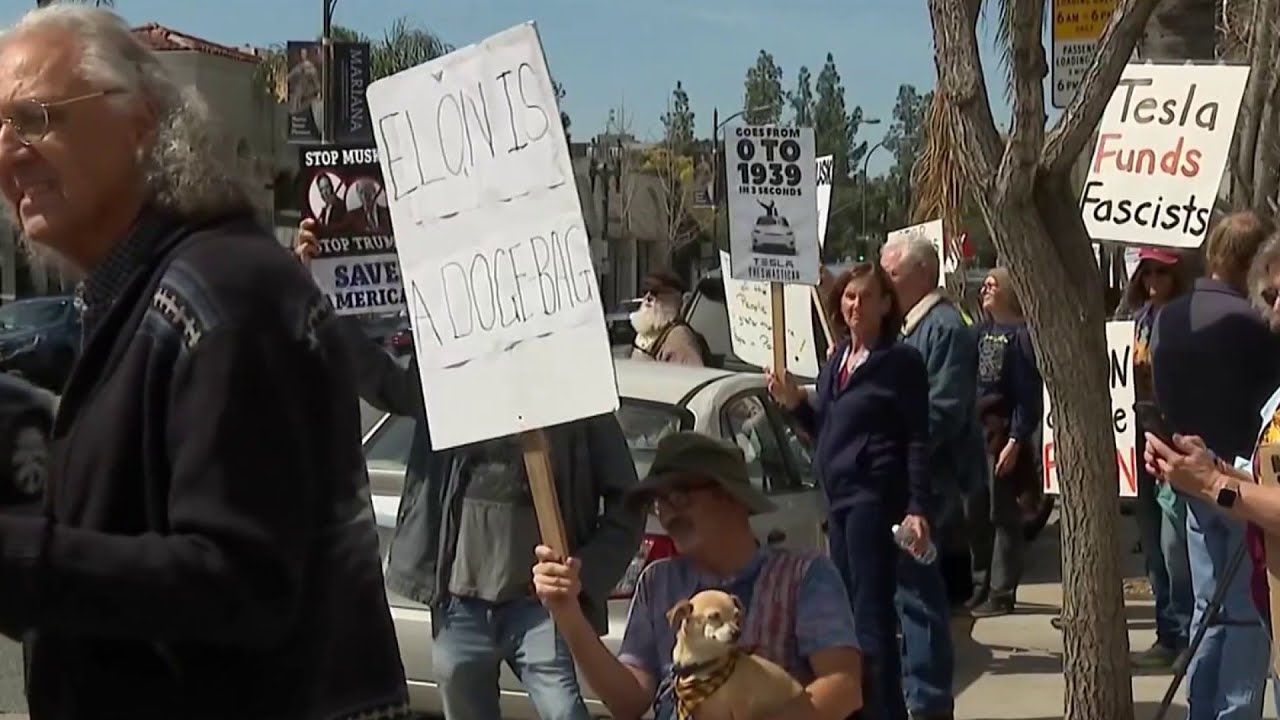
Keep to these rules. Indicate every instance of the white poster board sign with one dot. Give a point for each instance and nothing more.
(501, 294)
(932, 231)
(773, 209)
(751, 326)
(1162, 147)
(1120, 350)
(826, 166)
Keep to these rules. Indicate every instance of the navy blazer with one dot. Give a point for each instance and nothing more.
(873, 433)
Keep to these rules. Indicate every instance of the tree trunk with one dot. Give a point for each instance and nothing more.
(1181, 30)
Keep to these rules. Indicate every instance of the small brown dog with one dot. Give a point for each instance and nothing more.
(714, 678)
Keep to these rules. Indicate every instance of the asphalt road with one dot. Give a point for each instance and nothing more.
(12, 698)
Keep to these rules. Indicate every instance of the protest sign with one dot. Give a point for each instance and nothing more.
(1077, 25)
(356, 264)
(826, 166)
(1162, 147)
(931, 231)
(502, 299)
(773, 209)
(1120, 349)
(750, 325)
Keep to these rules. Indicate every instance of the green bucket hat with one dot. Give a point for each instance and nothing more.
(684, 455)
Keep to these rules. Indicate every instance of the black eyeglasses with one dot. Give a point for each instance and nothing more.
(30, 119)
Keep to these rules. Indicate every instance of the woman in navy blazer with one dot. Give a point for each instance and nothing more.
(870, 415)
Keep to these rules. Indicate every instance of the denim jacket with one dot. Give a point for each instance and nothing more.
(591, 462)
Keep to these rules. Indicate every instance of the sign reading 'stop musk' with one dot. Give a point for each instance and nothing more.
(501, 293)
(773, 209)
(356, 265)
(1162, 147)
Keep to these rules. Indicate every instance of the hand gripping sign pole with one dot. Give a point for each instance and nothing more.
(542, 487)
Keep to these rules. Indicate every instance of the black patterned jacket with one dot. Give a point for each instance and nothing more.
(207, 548)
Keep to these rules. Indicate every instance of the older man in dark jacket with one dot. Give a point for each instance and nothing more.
(466, 532)
(208, 548)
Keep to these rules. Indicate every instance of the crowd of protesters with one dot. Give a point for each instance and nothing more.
(185, 568)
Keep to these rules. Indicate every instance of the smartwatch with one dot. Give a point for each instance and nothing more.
(1227, 497)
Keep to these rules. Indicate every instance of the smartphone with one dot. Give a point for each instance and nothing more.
(1153, 420)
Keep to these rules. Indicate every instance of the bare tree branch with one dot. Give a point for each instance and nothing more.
(960, 78)
(1242, 156)
(1076, 125)
(1026, 138)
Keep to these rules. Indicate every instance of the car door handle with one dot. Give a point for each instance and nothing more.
(775, 537)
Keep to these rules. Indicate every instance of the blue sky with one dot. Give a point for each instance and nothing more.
(623, 53)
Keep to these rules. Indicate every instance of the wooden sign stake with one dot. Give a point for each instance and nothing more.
(777, 300)
(823, 317)
(542, 487)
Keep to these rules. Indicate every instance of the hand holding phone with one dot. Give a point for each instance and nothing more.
(1153, 420)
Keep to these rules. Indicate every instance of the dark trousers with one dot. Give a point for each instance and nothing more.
(995, 520)
(862, 548)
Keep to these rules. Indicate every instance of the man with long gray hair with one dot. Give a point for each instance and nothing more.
(207, 548)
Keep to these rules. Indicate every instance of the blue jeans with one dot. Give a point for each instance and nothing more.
(928, 656)
(863, 551)
(472, 638)
(1227, 676)
(1164, 544)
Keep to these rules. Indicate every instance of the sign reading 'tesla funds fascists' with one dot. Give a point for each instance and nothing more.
(1120, 350)
(355, 264)
(501, 294)
(1162, 147)
(773, 209)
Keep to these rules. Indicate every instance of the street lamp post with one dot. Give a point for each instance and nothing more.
(326, 71)
(866, 161)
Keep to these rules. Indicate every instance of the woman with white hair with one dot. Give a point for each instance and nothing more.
(207, 548)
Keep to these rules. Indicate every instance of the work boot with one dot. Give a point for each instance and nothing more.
(1156, 657)
(979, 596)
(993, 607)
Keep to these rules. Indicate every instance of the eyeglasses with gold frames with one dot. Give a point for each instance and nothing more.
(30, 119)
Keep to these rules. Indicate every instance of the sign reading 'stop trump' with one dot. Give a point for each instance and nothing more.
(501, 292)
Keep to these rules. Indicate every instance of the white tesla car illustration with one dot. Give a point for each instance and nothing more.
(772, 234)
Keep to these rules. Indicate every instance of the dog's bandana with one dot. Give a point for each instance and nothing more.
(694, 684)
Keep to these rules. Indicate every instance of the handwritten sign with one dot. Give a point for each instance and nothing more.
(750, 327)
(1077, 25)
(1161, 151)
(773, 210)
(356, 263)
(933, 232)
(1120, 349)
(501, 293)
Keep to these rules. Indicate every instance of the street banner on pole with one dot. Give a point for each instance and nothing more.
(501, 292)
(1077, 25)
(356, 265)
(1162, 148)
(305, 91)
(350, 80)
(1120, 347)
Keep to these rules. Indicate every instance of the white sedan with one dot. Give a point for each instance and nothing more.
(657, 398)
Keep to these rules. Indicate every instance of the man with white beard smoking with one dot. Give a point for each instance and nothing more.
(661, 333)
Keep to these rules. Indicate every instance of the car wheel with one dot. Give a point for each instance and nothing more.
(29, 458)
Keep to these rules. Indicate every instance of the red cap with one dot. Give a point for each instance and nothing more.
(1160, 255)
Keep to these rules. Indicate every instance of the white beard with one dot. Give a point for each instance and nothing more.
(649, 322)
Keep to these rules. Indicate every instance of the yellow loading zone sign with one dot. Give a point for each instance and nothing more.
(1077, 25)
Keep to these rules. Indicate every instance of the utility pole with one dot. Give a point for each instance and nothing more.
(326, 65)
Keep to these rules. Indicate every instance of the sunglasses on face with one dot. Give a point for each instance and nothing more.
(1156, 270)
(679, 497)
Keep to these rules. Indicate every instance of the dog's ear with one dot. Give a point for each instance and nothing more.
(737, 605)
(677, 614)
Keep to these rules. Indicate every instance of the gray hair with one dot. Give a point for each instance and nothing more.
(917, 249)
(187, 167)
(1260, 278)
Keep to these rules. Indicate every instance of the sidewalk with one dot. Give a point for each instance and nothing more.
(1011, 667)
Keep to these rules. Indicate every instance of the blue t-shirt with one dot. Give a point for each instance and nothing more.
(823, 618)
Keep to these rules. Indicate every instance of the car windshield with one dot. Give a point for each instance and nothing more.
(31, 313)
(766, 220)
(643, 423)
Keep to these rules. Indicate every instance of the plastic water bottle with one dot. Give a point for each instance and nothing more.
(906, 537)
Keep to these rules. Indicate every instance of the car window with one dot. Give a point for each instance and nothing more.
(643, 424)
(746, 422)
(32, 313)
(800, 446)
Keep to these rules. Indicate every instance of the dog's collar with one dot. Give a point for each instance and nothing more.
(682, 670)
